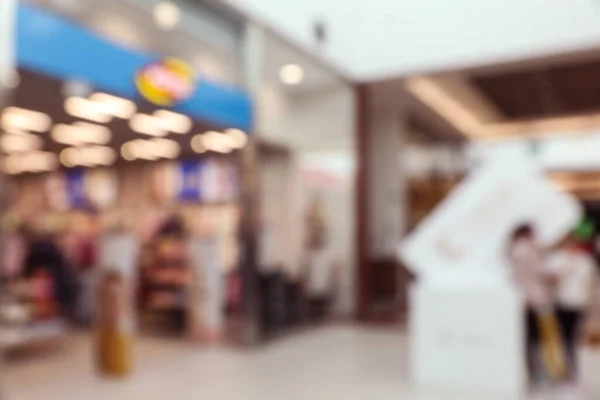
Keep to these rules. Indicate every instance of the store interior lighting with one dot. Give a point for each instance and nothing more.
(113, 105)
(166, 148)
(129, 151)
(239, 139)
(151, 149)
(197, 144)
(69, 157)
(217, 142)
(25, 120)
(291, 74)
(87, 156)
(35, 161)
(174, 122)
(14, 131)
(11, 143)
(99, 155)
(147, 125)
(166, 15)
(83, 108)
(81, 133)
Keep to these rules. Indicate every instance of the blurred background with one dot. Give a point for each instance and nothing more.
(186, 179)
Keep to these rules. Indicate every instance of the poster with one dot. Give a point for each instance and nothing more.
(75, 186)
(219, 181)
(190, 186)
(81, 188)
(208, 181)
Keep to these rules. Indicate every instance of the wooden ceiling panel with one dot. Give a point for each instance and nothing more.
(549, 91)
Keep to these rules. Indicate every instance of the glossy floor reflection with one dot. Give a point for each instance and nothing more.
(330, 364)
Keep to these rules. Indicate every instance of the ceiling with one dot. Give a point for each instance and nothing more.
(385, 39)
(279, 53)
(553, 103)
(519, 100)
(549, 91)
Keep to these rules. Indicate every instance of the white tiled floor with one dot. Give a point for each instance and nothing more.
(344, 363)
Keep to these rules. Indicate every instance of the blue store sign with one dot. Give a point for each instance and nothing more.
(54, 46)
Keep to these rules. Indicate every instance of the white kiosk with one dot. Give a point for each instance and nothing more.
(466, 318)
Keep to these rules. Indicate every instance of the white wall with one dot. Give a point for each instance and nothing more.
(337, 192)
(390, 38)
(7, 51)
(272, 110)
(314, 120)
(323, 119)
(318, 126)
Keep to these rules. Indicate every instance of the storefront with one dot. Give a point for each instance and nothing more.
(305, 122)
(98, 136)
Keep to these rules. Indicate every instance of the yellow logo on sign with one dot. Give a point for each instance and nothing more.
(166, 82)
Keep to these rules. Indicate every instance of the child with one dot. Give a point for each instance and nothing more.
(571, 272)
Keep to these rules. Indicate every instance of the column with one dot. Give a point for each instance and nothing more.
(253, 56)
(381, 202)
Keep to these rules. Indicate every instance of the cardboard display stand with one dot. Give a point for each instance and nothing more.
(115, 317)
(467, 339)
(467, 318)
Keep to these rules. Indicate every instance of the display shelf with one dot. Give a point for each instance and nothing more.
(12, 337)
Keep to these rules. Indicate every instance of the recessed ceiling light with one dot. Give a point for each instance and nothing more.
(35, 161)
(99, 155)
(147, 125)
(151, 149)
(166, 15)
(20, 143)
(174, 122)
(26, 120)
(10, 166)
(93, 133)
(239, 139)
(217, 141)
(165, 148)
(197, 144)
(87, 156)
(114, 105)
(129, 151)
(81, 133)
(86, 109)
(291, 74)
(70, 157)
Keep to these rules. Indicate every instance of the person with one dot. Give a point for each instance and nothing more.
(527, 264)
(571, 271)
(85, 259)
(321, 283)
(319, 270)
(45, 258)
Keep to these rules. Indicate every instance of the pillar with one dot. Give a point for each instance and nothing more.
(381, 203)
(253, 56)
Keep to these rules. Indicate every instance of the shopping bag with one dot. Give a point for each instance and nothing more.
(551, 349)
